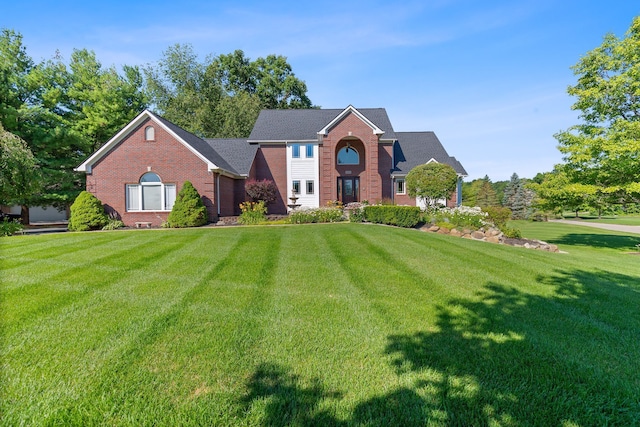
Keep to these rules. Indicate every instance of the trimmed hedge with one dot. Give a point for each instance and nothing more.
(401, 216)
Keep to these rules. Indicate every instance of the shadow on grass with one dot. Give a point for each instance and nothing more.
(611, 241)
(503, 357)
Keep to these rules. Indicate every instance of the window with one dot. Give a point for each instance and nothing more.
(296, 187)
(151, 194)
(309, 151)
(149, 133)
(348, 156)
(295, 148)
(309, 187)
(400, 186)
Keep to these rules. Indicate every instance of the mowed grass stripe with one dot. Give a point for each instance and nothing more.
(180, 341)
(48, 290)
(84, 336)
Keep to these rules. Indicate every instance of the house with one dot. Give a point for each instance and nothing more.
(318, 155)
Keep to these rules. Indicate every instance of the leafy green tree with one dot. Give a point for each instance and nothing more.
(271, 79)
(602, 151)
(432, 182)
(19, 173)
(87, 213)
(188, 209)
(178, 88)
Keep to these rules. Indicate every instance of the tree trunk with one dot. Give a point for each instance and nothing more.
(24, 214)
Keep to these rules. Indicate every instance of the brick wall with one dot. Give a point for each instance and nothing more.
(133, 157)
(271, 163)
(358, 132)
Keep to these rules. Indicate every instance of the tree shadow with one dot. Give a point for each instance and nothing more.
(284, 401)
(509, 357)
(611, 241)
(567, 354)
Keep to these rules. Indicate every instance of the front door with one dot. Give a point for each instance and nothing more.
(348, 189)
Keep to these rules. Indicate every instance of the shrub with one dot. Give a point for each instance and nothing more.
(460, 217)
(265, 190)
(355, 211)
(307, 216)
(539, 216)
(188, 209)
(511, 232)
(402, 216)
(113, 224)
(9, 227)
(252, 212)
(87, 213)
(497, 215)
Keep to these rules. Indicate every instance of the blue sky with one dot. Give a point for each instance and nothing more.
(488, 77)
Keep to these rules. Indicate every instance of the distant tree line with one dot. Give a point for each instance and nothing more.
(57, 112)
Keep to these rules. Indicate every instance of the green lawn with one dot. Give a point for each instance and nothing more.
(620, 219)
(338, 324)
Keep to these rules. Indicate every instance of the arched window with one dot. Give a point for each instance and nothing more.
(348, 156)
(150, 194)
(149, 133)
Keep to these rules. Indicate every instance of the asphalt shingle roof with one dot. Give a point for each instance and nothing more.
(304, 125)
(417, 148)
(236, 151)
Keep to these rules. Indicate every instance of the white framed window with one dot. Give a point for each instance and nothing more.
(150, 194)
(149, 133)
(400, 187)
(310, 186)
(295, 151)
(309, 151)
(348, 156)
(295, 186)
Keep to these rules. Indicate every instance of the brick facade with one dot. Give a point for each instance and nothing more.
(133, 157)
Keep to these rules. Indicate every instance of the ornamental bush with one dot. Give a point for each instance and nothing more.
(252, 212)
(9, 227)
(87, 213)
(307, 216)
(401, 216)
(188, 209)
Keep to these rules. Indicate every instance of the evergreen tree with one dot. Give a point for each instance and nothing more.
(87, 213)
(188, 209)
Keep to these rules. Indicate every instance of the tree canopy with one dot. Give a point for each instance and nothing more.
(602, 153)
(222, 96)
(432, 182)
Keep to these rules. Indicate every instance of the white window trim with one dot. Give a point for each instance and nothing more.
(404, 186)
(163, 196)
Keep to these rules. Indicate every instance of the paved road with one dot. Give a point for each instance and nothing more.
(613, 227)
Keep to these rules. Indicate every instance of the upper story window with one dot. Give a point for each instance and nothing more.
(309, 151)
(151, 194)
(348, 156)
(295, 151)
(149, 133)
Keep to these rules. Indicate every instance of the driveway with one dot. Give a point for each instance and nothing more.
(635, 229)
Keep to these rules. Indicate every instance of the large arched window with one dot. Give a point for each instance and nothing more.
(150, 194)
(348, 156)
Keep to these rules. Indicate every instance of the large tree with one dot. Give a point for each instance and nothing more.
(222, 96)
(432, 182)
(64, 111)
(19, 174)
(603, 152)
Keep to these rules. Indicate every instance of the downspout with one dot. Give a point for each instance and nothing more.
(218, 193)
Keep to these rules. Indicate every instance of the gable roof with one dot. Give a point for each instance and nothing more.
(237, 152)
(304, 125)
(201, 148)
(417, 148)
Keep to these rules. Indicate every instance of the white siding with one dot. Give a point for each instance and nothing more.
(304, 169)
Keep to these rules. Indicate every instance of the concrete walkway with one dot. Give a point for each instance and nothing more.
(635, 229)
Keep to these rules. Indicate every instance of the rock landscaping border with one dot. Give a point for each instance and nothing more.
(491, 235)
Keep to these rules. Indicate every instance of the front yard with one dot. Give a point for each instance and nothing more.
(324, 324)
